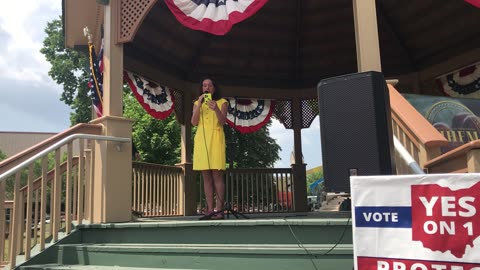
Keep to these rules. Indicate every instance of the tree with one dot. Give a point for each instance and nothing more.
(2, 155)
(70, 69)
(252, 150)
(158, 141)
(37, 172)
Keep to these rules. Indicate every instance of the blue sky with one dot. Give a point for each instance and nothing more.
(312, 153)
(29, 98)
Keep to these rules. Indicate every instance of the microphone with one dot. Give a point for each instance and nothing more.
(207, 96)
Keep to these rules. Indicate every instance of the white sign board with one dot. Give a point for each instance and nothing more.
(416, 222)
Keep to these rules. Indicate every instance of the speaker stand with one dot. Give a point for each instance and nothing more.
(226, 211)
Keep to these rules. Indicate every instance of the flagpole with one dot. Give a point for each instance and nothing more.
(92, 112)
(88, 35)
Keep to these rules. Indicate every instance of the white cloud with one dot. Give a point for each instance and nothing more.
(29, 98)
(18, 119)
(284, 138)
(22, 24)
(311, 135)
(280, 133)
(311, 145)
(25, 107)
(312, 153)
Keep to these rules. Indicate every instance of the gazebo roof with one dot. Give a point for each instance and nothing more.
(292, 45)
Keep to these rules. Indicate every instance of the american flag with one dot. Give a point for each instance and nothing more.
(95, 83)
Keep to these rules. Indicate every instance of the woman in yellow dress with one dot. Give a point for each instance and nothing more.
(209, 114)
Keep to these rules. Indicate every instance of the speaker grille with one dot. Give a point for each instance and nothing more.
(355, 129)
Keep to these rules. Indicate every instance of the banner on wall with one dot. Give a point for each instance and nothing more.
(457, 119)
(416, 222)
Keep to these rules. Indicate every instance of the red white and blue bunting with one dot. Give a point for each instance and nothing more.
(249, 115)
(213, 16)
(156, 99)
(244, 115)
(475, 3)
(464, 83)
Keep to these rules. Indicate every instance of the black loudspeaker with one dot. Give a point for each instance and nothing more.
(355, 128)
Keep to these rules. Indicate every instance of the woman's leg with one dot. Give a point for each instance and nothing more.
(219, 188)
(208, 188)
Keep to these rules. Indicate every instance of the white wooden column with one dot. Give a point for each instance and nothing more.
(188, 183)
(366, 35)
(112, 183)
(113, 62)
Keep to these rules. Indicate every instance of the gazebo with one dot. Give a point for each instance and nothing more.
(281, 52)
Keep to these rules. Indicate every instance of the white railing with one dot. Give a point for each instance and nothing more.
(65, 185)
(58, 145)
(157, 190)
(406, 157)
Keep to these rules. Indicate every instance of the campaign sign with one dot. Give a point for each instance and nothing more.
(416, 222)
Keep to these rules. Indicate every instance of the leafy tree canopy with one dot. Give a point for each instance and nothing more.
(2, 155)
(158, 141)
(37, 172)
(252, 150)
(70, 69)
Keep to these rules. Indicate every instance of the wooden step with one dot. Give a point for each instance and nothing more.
(86, 267)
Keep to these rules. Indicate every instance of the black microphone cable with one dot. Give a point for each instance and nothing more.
(204, 136)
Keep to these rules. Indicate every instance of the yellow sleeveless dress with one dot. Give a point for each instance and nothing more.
(209, 143)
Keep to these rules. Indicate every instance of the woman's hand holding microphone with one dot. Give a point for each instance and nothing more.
(207, 98)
